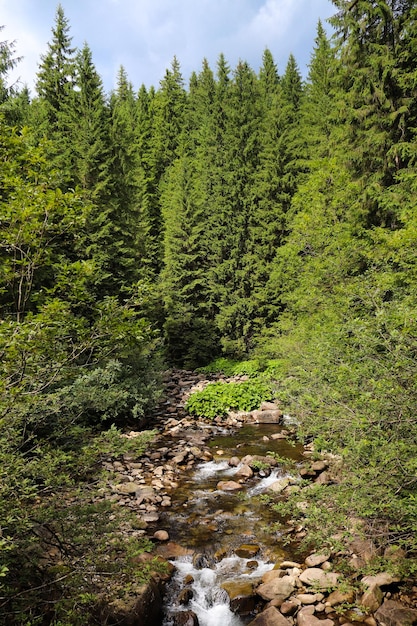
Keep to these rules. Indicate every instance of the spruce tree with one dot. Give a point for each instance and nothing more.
(231, 274)
(167, 115)
(90, 128)
(375, 39)
(56, 90)
(319, 106)
(125, 216)
(189, 328)
(56, 75)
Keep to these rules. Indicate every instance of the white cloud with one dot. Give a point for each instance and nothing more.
(273, 19)
(145, 35)
(29, 42)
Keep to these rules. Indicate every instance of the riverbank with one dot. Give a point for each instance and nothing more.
(330, 585)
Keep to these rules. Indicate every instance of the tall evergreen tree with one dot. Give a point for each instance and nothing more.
(231, 272)
(167, 115)
(56, 74)
(56, 90)
(90, 128)
(319, 106)
(125, 256)
(375, 39)
(190, 333)
(291, 82)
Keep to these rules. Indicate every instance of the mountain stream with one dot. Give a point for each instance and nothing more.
(229, 535)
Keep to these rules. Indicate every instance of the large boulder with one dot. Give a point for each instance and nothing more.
(372, 598)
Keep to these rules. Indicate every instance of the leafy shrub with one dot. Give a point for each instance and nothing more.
(220, 366)
(250, 367)
(218, 398)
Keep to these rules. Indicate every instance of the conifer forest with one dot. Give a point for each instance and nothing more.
(243, 217)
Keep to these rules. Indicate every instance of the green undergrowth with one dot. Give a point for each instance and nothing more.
(250, 367)
(219, 398)
(66, 549)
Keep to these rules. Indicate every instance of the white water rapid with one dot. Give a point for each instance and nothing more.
(210, 602)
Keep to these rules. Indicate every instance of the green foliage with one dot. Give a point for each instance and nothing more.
(251, 367)
(68, 363)
(222, 365)
(252, 212)
(219, 398)
(59, 542)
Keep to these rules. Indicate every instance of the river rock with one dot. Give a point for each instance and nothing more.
(394, 553)
(316, 559)
(305, 618)
(228, 485)
(280, 588)
(318, 578)
(267, 417)
(380, 580)
(269, 406)
(179, 458)
(145, 494)
(244, 471)
(142, 609)
(247, 550)
(172, 550)
(324, 479)
(339, 597)
(242, 596)
(202, 561)
(364, 549)
(254, 460)
(273, 574)
(150, 517)
(270, 617)
(289, 607)
(234, 461)
(161, 535)
(372, 599)
(306, 598)
(319, 466)
(185, 618)
(185, 595)
(128, 488)
(290, 565)
(279, 485)
(392, 613)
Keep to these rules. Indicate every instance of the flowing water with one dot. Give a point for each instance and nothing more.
(215, 524)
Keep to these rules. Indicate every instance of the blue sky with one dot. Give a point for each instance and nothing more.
(144, 35)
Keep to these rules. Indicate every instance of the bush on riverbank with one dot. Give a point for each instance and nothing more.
(219, 398)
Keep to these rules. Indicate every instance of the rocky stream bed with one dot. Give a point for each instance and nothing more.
(198, 493)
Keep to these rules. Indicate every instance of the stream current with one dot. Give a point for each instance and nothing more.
(215, 524)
